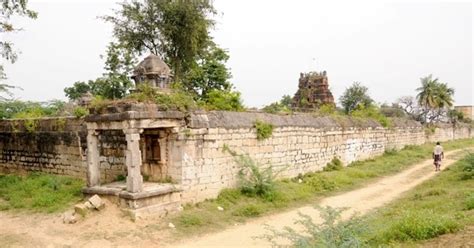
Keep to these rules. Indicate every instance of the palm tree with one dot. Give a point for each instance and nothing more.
(444, 96)
(427, 92)
(434, 97)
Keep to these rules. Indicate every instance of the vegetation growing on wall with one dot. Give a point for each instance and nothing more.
(264, 130)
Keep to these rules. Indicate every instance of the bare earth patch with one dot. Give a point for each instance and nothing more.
(111, 228)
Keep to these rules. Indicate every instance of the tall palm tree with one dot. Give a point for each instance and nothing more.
(444, 96)
(434, 97)
(427, 92)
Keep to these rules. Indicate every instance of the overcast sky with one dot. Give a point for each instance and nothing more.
(386, 46)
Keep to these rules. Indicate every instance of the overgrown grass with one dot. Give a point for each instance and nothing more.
(38, 192)
(298, 191)
(441, 205)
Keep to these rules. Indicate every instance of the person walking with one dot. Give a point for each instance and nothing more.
(438, 155)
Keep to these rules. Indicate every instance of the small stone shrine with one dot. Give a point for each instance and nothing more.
(153, 71)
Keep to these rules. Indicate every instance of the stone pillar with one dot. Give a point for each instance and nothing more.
(93, 164)
(133, 160)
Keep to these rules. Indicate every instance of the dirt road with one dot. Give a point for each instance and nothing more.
(357, 201)
(111, 229)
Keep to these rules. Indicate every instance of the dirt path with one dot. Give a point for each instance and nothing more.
(111, 229)
(357, 201)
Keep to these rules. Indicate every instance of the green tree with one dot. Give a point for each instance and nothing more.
(177, 30)
(434, 98)
(427, 92)
(224, 100)
(209, 73)
(77, 90)
(284, 105)
(9, 8)
(355, 96)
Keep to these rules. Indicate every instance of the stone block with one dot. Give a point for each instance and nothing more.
(96, 202)
(81, 209)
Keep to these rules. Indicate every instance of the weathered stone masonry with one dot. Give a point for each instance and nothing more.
(191, 152)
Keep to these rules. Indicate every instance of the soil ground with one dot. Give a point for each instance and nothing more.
(111, 228)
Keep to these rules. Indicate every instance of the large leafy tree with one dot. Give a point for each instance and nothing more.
(355, 96)
(209, 73)
(9, 8)
(176, 30)
(434, 98)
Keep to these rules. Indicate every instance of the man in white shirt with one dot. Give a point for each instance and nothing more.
(438, 155)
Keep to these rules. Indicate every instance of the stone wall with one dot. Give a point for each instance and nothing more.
(57, 146)
(53, 145)
(299, 144)
(196, 159)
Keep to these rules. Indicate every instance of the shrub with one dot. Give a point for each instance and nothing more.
(80, 112)
(319, 182)
(264, 130)
(372, 112)
(332, 232)
(177, 100)
(223, 100)
(420, 225)
(335, 164)
(252, 179)
(327, 109)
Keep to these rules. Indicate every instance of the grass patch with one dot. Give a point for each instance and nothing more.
(39, 192)
(290, 193)
(444, 204)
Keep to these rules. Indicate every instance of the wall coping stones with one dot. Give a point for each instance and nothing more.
(234, 120)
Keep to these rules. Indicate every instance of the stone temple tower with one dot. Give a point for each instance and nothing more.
(313, 91)
(153, 71)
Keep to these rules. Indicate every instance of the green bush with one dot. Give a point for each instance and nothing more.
(332, 232)
(264, 130)
(372, 112)
(253, 180)
(419, 225)
(80, 112)
(319, 182)
(335, 164)
(223, 100)
(327, 109)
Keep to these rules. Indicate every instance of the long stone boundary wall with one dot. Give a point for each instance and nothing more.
(300, 143)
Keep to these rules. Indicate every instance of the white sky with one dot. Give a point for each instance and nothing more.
(386, 46)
